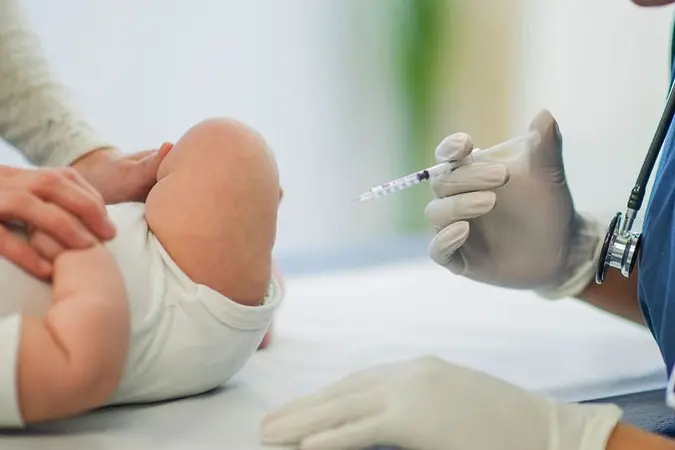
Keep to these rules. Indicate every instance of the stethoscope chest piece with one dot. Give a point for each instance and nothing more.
(621, 246)
(620, 249)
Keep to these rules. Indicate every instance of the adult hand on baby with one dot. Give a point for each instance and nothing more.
(429, 404)
(117, 178)
(511, 222)
(57, 203)
(122, 178)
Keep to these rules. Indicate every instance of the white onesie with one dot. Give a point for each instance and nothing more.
(186, 338)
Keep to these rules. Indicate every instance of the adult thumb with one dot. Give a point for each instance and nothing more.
(164, 150)
(454, 147)
(547, 149)
(153, 159)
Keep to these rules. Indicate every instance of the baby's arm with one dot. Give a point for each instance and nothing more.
(72, 360)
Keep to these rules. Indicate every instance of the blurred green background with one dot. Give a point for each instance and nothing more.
(421, 46)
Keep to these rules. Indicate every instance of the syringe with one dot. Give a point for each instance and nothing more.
(407, 181)
(502, 150)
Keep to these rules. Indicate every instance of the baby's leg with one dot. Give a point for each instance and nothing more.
(214, 208)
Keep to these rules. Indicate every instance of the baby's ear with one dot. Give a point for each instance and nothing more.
(281, 194)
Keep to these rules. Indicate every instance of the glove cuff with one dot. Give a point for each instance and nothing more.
(584, 252)
(585, 426)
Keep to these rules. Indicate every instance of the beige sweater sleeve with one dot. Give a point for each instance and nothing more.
(37, 115)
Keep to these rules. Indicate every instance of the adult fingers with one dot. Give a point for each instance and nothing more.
(68, 190)
(152, 161)
(444, 247)
(140, 173)
(454, 147)
(75, 176)
(18, 204)
(138, 156)
(366, 433)
(20, 253)
(355, 383)
(479, 176)
(293, 428)
(160, 153)
(164, 149)
(45, 245)
(442, 212)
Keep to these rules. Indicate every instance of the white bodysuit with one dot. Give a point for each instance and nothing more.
(186, 338)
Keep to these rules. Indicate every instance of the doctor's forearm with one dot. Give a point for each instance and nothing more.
(627, 437)
(617, 295)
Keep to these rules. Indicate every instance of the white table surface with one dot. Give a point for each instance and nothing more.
(335, 323)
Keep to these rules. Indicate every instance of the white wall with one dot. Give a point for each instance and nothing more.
(314, 76)
(144, 71)
(602, 68)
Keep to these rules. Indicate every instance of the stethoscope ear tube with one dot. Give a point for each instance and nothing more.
(621, 246)
(638, 193)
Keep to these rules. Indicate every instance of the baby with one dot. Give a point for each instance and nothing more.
(173, 306)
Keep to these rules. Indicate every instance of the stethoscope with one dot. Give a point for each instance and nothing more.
(621, 246)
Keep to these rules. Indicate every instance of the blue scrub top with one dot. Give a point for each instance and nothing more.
(656, 267)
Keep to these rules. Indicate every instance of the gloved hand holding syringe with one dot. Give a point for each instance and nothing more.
(503, 150)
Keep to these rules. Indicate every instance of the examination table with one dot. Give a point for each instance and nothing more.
(348, 309)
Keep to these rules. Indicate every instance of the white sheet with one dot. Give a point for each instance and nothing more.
(333, 324)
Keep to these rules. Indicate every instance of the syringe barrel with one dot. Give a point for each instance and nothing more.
(397, 185)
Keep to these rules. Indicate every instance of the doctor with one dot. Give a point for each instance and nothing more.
(532, 238)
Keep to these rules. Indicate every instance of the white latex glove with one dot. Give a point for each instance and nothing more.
(428, 404)
(510, 221)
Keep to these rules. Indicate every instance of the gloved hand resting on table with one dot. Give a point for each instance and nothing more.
(428, 404)
(512, 222)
